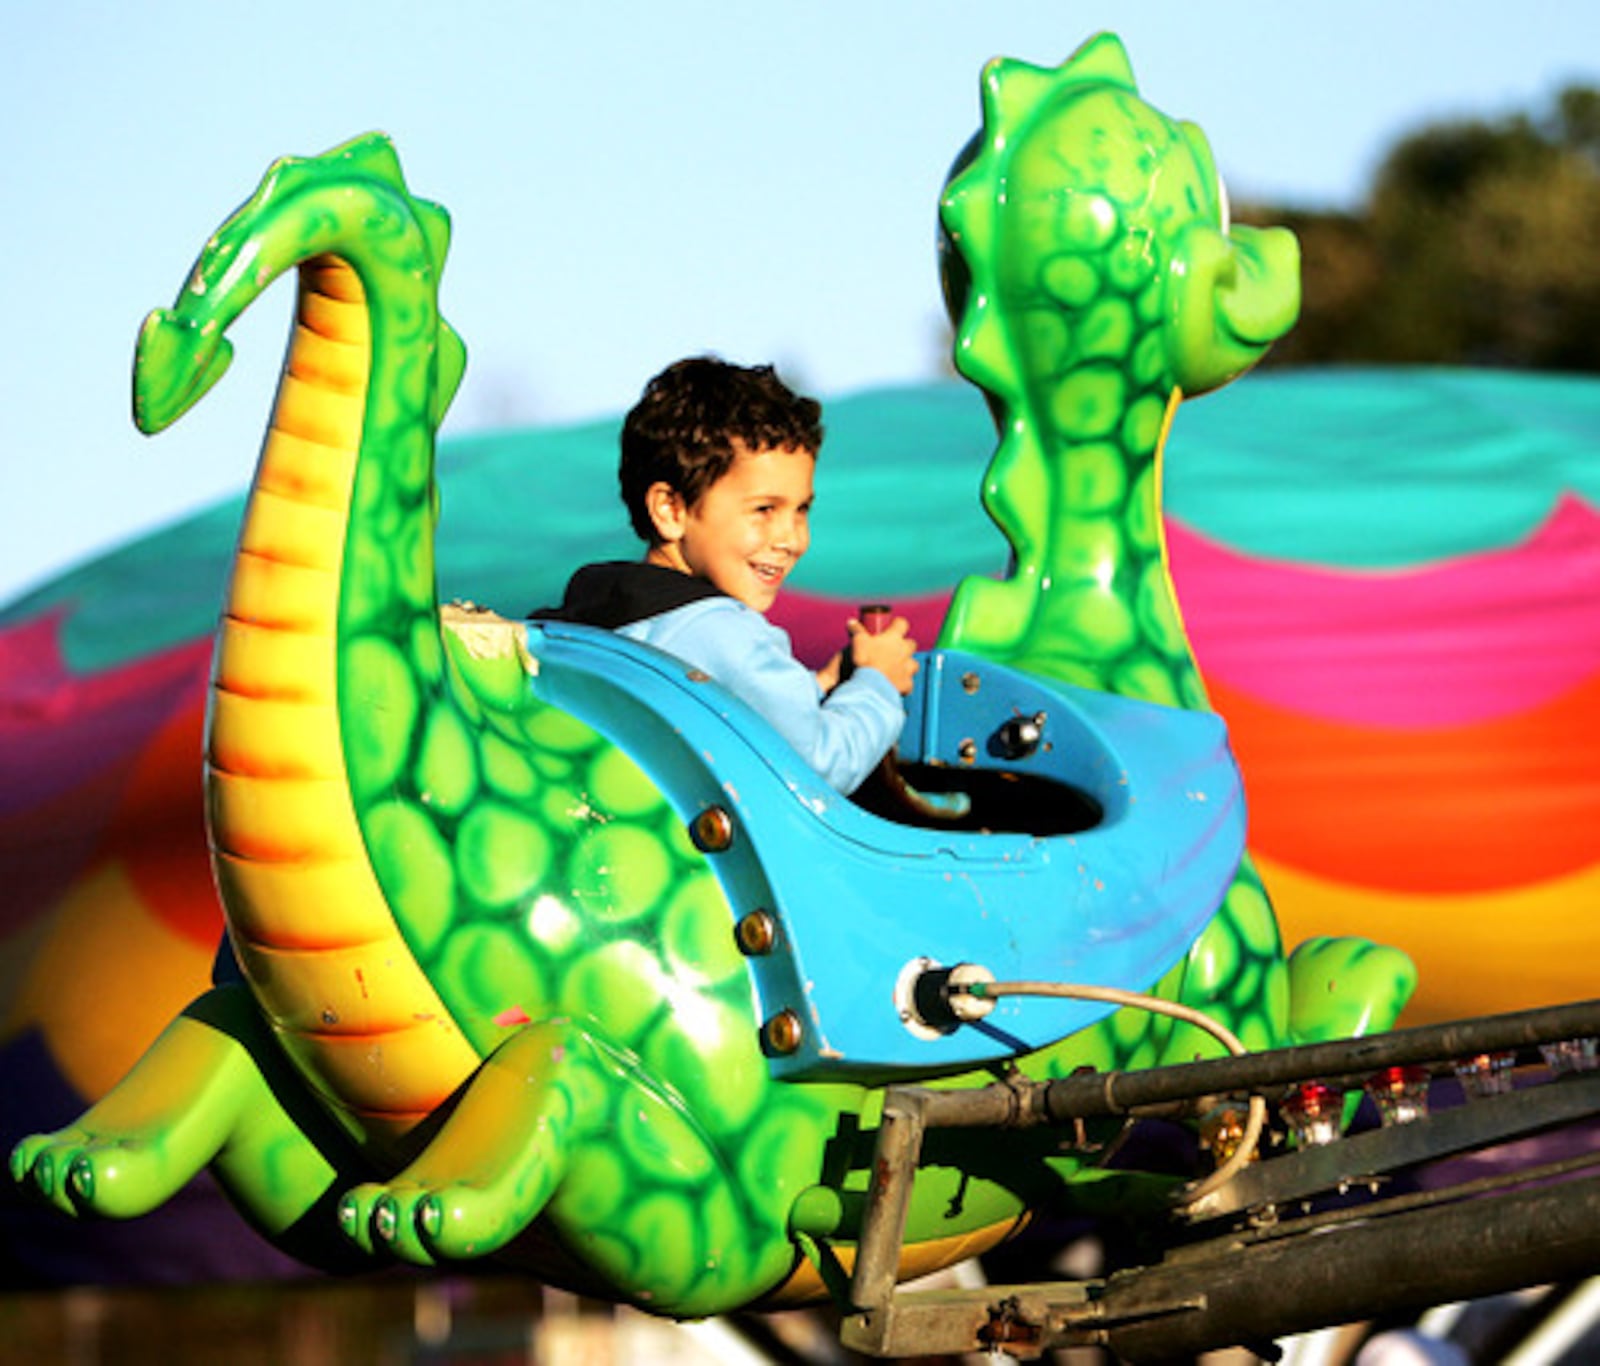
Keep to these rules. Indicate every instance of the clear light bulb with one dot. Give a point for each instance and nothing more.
(1485, 1074)
(1314, 1113)
(1400, 1093)
(1570, 1055)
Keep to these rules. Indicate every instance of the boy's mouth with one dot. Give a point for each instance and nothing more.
(769, 574)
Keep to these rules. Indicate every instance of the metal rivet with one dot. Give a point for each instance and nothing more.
(783, 1032)
(968, 750)
(712, 830)
(970, 682)
(757, 932)
(697, 676)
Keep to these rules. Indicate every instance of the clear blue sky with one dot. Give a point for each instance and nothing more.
(629, 182)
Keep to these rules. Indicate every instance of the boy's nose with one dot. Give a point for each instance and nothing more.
(788, 537)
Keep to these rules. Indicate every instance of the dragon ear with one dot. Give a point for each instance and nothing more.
(1102, 58)
(1228, 298)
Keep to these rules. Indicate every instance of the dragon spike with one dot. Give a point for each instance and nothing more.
(371, 154)
(965, 210)
(434, 219)
(1102, 58)
(450, 365)
(1012, 90)
(451, 357)
(981, 351)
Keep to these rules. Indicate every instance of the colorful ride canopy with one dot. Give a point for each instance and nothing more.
(1392, 590)
(1390, 578)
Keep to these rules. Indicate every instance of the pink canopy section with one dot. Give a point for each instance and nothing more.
(1445, 645)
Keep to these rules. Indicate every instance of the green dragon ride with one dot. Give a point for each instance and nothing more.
(491, 1001)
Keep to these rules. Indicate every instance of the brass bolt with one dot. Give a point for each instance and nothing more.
(712, 830)
(783, 1032)
(757, 932)
(970, 682)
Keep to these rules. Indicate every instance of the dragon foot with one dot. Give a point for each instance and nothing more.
(78, 1172)
(1345, 988)
(207, 1093)
(156, 1129)
(493, 1165)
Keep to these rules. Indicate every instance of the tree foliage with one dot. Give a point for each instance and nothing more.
(1479, 245)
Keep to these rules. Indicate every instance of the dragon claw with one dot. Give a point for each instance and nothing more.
(430, 1217)
(386, 1220)
(378, 1219)
(399, 1225)
(356, 1220)
(422, 1224)
(44, 1175)
(80, 1178)
(24, 1161)
(59, 1171)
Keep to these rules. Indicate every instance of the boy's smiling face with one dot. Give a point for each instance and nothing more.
(747, 531)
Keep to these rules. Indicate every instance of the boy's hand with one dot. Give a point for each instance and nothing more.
(828, 674)
(890, 652)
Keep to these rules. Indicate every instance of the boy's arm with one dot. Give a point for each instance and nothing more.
(828, 674)
(842, 738)
(859, 722)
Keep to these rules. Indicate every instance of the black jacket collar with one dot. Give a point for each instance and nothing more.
(620, 592)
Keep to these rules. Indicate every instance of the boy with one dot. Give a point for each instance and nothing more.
(716, 473)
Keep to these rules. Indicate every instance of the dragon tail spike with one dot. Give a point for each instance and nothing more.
(372, 155)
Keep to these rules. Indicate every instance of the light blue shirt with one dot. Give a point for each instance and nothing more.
(842, 736)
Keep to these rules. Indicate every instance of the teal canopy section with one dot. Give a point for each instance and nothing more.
(1382, 468)
(1359, 468)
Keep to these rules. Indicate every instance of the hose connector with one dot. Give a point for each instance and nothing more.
(934, 1000)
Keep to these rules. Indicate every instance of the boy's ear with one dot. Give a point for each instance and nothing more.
(667, 510)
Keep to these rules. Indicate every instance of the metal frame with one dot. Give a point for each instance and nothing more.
(1324, 1269)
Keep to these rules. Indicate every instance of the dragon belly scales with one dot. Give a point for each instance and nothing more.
(489, 1000)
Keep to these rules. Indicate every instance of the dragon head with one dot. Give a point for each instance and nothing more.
(1092, 216)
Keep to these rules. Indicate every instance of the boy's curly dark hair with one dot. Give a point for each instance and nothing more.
(683, 430)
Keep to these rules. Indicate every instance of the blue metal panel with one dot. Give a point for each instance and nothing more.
(858, 898)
